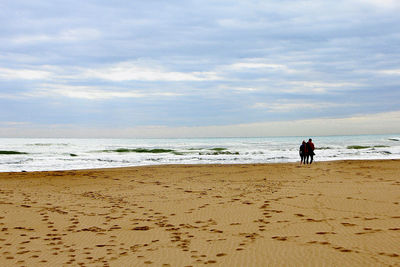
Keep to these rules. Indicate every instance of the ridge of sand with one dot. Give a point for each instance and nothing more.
(329, 213)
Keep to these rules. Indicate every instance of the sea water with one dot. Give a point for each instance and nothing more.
(44, 154)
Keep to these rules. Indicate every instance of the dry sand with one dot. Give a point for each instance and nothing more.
(330, 213)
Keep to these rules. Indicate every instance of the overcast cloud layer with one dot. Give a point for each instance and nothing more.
(158, 67)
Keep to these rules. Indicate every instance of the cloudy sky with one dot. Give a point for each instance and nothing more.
(199, 68)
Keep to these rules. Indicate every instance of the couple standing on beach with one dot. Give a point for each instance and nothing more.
(306, 152)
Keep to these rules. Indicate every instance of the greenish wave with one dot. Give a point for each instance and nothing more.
(218, 149)
(178, 153)
(218, 153)
(140, 150)
(364, 147)
(10, 152)
(358, 147)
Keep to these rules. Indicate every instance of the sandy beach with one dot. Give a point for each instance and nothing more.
(327, 214)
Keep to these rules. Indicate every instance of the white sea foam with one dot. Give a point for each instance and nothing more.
(67, 154)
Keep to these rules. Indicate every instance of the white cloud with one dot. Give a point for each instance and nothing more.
(240, 89)
(120, 72)
(319, 86)
(254, 64)
(69, 35)
(90, 92)
(286, 107)
(242, 24)
(296, 105)
(129, 71)
(13, 123)
(262, 67)
(390, 72)
(386, 4)
(22, 39)
(24, 74)
(78, 34)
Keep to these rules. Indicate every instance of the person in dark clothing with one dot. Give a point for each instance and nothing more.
(310, 151)
(303, 152)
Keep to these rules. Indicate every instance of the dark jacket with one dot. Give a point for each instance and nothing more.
(303, 150)
(310, 148)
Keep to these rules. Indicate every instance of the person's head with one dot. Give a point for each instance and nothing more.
(310, 140)
(304, 142)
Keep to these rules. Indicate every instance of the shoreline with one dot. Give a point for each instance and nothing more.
(327, 213)
(209, 164)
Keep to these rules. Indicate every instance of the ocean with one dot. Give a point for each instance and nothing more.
(45, 154)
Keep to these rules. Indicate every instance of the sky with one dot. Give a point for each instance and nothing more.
(203, 68)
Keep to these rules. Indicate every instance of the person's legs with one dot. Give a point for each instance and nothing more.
(307, 158)
(311, 158)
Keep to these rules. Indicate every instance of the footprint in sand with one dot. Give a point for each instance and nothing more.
(279, 238)
(325, 233)
(389, 254)
(342, 249)
(348, 224)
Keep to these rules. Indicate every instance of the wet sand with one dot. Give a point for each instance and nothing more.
(329, 213)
